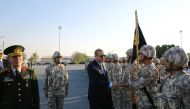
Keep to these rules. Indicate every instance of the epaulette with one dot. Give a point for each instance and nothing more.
(5, 70)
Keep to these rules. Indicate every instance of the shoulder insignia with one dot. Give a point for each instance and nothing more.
(5, 70)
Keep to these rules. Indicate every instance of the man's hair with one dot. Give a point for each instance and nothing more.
(96, 51)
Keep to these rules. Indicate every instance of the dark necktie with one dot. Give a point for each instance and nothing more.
(17, 73)
(102, 68)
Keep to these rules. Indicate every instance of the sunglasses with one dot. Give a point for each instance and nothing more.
(101, 56)
(140, 54)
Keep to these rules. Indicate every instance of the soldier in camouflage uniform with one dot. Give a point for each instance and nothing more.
(147, 82)
(56, 83)
(175, 89)
(124, 91)
(109, 66)
(158, 66)
(121, 61)
(117, 76)
(127, 92)
(162, 71)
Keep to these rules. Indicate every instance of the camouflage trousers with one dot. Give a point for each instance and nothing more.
(117, 98)
(55, 102)
(126, 98)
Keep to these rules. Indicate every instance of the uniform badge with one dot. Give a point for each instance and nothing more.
(27, 77)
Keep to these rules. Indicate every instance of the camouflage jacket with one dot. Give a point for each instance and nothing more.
(56, 80)
(117, 73)
(147, 79)
(125, 72)
(175, 92)
(109, 67)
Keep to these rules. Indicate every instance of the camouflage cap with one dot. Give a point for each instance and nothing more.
(109, 56)
(148, 51)
(124, 58)
(57, 54)
(14, 50)
(115, 57)
(177, 56)
(129, 52)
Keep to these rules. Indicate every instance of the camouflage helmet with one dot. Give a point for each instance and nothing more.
(148, 51)
(115, 57)
(129, 52)
(56, 54)
(124, 58)
(109, 56)
(156, 60)
(121, 59)
(176, 55)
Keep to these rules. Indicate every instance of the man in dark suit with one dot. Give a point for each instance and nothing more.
(18, 84)
(99, 92)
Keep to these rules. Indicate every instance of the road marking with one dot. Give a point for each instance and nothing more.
(72, 101)
(75, 97)
(70, 98)
(43, 103)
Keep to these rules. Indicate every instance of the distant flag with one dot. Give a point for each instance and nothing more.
(139, 40)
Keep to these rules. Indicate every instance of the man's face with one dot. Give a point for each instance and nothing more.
(100, 57)
(168, 66)
(16, 61)
(141, 58)
(1, 56)
(58, 59)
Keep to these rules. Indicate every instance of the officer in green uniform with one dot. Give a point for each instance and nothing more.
(18, 84)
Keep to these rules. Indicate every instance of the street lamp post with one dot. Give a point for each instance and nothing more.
(1, 36)
(59, 27)
(3, 45)
(180, 32)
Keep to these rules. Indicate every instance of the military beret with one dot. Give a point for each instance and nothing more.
(14, 50)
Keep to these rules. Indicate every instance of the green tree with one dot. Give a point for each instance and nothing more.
(78, 57)
(161, 49)
(34, 57)
(188, 54)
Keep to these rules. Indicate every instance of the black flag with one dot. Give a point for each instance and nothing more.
(139, 41)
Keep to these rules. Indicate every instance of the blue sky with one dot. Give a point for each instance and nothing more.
(91, 24)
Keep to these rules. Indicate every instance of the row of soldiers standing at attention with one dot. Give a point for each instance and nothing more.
(155, 84)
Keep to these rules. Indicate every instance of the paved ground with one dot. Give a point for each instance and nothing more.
(77, 97)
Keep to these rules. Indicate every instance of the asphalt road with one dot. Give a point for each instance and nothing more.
(77, 96)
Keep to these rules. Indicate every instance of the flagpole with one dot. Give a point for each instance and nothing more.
(137, 38)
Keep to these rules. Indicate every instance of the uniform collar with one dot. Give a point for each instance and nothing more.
(13, 69)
